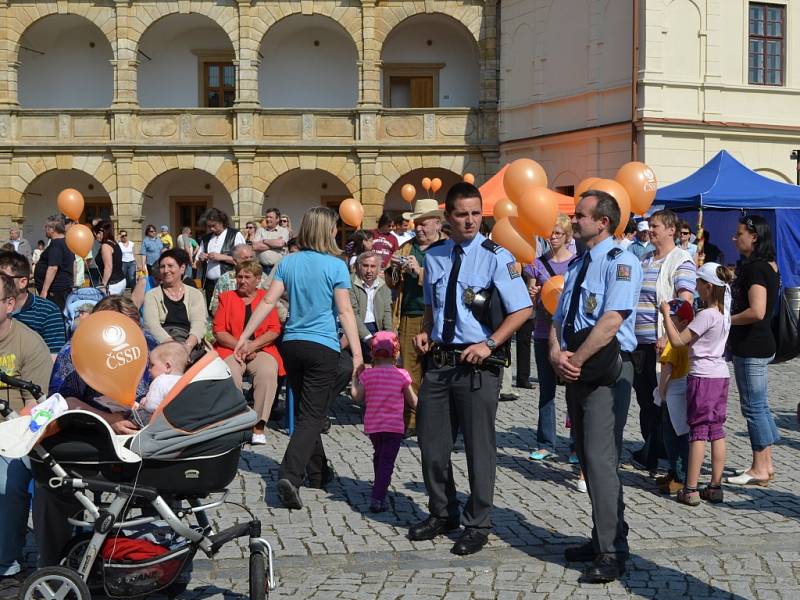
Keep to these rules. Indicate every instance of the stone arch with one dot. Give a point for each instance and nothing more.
(319, 47)
(20, 20)
(393, 168)
(774, 174)
(143, 17)
(349, 18)
(219, 167)
(394, 203)
(64, 61)
(268, 169)
(469, 18)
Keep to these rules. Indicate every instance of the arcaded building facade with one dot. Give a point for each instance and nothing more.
(158, 110)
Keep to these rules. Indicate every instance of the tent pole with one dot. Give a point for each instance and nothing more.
(700, 241)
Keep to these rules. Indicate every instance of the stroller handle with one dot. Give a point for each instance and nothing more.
(19, 384)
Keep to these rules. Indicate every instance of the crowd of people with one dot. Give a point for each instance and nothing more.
(430, 309)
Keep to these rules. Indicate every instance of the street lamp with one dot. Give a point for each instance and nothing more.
(795, 156)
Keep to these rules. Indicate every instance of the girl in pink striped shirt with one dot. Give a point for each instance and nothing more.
(385, 390)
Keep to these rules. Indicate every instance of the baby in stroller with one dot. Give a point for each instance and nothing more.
(123, 491)
(167, 364)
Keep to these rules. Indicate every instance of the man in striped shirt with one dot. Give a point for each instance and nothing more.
(40, 314)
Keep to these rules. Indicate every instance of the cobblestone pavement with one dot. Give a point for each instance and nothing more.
(334, 548)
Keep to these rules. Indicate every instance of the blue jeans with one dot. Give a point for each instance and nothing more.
(751, 381)
(129, 270)
(14, 505)
(676, 446)
(546, 429)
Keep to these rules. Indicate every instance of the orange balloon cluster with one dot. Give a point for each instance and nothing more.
(70, 202)
(522, 175)
(351, 212)
(538, 209)
(504, 208)
(79, 239)
(551, 293)
(506, 232)
(436, 184)
(408, 192)
(426, 183)
(110, 354)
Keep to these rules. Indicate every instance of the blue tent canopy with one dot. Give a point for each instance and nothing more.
(727, 185)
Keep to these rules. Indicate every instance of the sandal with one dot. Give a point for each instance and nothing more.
(689, 497)
(541, 454)
(712, 494)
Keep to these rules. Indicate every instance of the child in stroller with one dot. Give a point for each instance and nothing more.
(150, 484)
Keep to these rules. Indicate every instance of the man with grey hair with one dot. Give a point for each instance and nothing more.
(227, 281)
(371, 299)
(54, 271)
(21, 245)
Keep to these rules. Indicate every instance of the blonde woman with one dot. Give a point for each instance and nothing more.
(316, 279)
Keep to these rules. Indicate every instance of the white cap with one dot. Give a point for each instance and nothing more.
(643, 226)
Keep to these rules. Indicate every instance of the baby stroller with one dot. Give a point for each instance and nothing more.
(136, 494)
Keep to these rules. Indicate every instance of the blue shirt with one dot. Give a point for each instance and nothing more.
(480, 269)
(610, 284)
(640, 250)
(310, 278)
(151, 248)
(45, 318)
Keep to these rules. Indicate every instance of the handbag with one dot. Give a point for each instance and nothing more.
(785, 321)
(603, 367)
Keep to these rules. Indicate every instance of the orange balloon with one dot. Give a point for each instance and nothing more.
(426, 183)
(521, 175)
(538, 209)
(504, 208)
(351, 212)
(469, 178)
(110, 354)
(640, 182)
(506, 233)
(79, 239)
(408, 192)
(436, 184)
(584, 185)
(621, 196)
(70, 202)
(551, 293)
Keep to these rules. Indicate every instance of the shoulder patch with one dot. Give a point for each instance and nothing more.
(513, 272)
(491, 246)
(574, 259)
(623, 272)
(615, 252)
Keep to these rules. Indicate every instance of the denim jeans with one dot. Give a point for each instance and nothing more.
(546, 429)
(676, 446)
(751, 381)
(129, 270)
(15, 476)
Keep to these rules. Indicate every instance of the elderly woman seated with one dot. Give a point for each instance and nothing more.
(174, 310)
(261, 359)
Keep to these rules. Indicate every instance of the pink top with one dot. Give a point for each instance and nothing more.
(383, 396)
(706, 355)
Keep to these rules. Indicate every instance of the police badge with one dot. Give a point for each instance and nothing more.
(591, 303)
(468, 297)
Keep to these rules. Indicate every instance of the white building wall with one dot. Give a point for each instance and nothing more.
(451, 44)
(65, 62)
(293, 193)
(169, 70)
(295, 72)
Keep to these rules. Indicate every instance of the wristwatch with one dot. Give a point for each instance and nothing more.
(491, 343)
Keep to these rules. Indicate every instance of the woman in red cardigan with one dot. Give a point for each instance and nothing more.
(261, 359)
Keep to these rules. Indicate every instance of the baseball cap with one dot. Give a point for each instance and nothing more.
(643, 226)
(682, 308)
(385, 343)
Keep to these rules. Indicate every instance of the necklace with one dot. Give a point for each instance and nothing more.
(173, 294)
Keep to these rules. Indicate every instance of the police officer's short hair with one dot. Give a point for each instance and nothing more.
(606, 207)
(460, 190)
(667, 218)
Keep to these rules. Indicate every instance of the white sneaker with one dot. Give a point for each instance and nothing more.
(581, 485)
(259, 439)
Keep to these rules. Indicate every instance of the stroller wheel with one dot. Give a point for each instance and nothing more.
(258, 577)
(72, 555)
(50, 583)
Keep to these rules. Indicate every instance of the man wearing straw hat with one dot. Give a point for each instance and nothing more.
(405, 275)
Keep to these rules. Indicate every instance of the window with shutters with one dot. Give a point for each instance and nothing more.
(766, 44)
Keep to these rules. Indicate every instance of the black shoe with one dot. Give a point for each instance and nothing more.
(604, 569)
(525, 386)
(510, 397)
(431, 527)
(289, 495)
(583, 553)
(327, 427)
(470, 542)
(411, 432)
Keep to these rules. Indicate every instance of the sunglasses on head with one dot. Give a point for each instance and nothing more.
(748, 222)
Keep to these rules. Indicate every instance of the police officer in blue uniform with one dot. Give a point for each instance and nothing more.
(463, 362)
(590, 345)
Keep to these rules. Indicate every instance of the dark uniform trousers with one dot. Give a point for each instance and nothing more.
(453, 399)
(598, 415)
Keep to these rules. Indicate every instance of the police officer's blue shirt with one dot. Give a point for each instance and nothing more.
(480, 269)
(611, 283)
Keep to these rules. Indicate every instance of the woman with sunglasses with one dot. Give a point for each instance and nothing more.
(685, 238)
(754, 291)
(151, 250)
(286, 223)
(250, 232)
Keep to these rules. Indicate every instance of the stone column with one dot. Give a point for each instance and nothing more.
(247, 209)
(128, 209)
(369, 84)
(490, 58)
(247, 62)
(9, 199)
(125, 59)
(371, 196)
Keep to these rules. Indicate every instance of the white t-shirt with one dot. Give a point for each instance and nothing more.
(402, 238)
(369, 316)
(213, 271)
(158, 390)
(127, 251)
